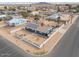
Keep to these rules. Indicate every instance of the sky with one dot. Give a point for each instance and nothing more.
(39, 1)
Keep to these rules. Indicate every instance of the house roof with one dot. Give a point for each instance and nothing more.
(63, 17)
(54, 16)
(14, 20)
(38, 27)
(32, 26)
(1, 16)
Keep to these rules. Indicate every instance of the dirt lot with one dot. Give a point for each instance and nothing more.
(31, 36)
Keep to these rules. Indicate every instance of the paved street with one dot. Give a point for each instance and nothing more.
(10, 50)
(69, 43)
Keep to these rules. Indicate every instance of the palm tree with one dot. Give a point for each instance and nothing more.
(58, 21)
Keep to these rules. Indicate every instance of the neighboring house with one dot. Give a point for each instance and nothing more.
(2, 16)
(54, 16)
(35, 13)
(66, 18)
(63, 17)
(16, 22)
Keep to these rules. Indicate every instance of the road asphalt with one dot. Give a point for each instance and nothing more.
(8, 49)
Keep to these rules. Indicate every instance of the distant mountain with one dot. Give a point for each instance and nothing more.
(42, 3)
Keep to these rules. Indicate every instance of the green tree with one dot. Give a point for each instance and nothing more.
(5, 7)
(36, 18)
(11, 8)
(24, 14)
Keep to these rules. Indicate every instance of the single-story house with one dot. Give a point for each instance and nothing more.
(2, 16)
(16, 21)
(63, 17)
(35, 12)
(39, 29)
(54, 16)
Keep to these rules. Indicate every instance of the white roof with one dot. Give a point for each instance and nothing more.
(14, 20)
(1, 16)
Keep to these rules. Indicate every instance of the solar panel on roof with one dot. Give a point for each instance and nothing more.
(32, 26)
